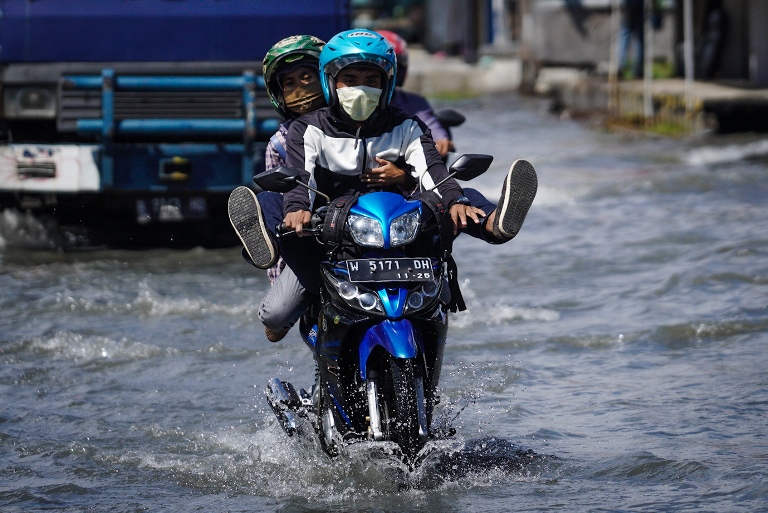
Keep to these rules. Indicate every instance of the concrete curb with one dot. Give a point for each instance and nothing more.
(437, 75)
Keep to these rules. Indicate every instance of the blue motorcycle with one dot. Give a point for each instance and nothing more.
(378, 332)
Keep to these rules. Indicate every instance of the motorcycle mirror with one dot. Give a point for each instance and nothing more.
(278, 179)
(470, 165)
(451, 158)
(283, 179)
(466, 167)
(450, 118)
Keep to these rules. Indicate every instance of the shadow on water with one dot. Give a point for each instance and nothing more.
(478, 458)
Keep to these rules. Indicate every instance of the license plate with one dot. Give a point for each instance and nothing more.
(170, 209)
(390, 269)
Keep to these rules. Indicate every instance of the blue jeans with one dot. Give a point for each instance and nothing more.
(632, 29)
(478, 230)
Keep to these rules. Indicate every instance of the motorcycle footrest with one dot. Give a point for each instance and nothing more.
(306, 398)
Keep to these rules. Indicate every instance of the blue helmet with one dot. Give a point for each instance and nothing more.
(357, 46)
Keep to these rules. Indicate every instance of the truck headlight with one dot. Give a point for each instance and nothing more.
(29, 102)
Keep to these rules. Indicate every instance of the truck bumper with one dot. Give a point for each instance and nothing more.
(128, 194)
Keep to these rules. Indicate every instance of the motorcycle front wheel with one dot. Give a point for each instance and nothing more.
(399, 402)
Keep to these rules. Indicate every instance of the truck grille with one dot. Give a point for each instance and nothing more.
(77, 104)
(86, 104)
(179, 105)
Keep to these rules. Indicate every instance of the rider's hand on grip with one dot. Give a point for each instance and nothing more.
(296, 220)
(283, 231)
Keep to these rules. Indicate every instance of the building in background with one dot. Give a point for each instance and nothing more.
(577, 33)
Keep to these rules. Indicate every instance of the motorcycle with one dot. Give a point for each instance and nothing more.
(379, 330)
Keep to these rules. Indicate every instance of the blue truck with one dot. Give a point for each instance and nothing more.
(135, 119)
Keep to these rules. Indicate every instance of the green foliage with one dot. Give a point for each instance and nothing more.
(660, 69)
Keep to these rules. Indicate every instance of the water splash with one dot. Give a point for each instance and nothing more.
(731, 153)
(23, 231)
(85, 349)
(266, 462)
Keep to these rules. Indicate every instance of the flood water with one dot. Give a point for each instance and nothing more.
(613, 356)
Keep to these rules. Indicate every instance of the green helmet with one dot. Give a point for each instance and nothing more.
(286, 53)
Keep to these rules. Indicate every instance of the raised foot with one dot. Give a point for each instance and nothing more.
(517, 195)
(246, 218)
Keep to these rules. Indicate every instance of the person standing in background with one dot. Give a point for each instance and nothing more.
(632, 31)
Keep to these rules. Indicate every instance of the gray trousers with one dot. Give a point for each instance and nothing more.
(285, 302)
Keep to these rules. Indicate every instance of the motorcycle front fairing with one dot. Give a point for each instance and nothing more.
(395, 337)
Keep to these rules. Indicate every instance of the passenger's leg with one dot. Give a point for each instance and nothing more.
(479, 231)
(284, 304)
(255, 218)
(517, 195)
(504, 220)
(304, 255)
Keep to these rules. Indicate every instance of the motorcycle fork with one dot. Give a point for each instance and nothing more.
(375, 429)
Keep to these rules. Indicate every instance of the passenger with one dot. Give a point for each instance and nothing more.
(291, 79)
(414, 103)
(358, 81)
(417, 105)
(357, 74)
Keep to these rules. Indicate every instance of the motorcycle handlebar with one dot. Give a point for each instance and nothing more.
(281, 229)
(314, 229)
(314, 232)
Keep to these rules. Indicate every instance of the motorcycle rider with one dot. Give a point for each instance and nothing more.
(364, 63)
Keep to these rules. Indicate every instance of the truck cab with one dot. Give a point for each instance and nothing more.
(135, 119)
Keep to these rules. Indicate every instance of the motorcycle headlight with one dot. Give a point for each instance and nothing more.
(422, 296)
(355, 296)
(365, 231)
(404, 228)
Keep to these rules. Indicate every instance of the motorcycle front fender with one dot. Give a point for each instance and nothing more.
(396, 337)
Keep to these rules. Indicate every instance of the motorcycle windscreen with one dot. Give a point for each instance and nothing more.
(396, 337)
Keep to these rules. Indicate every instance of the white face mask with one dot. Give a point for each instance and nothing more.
(359, 101)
